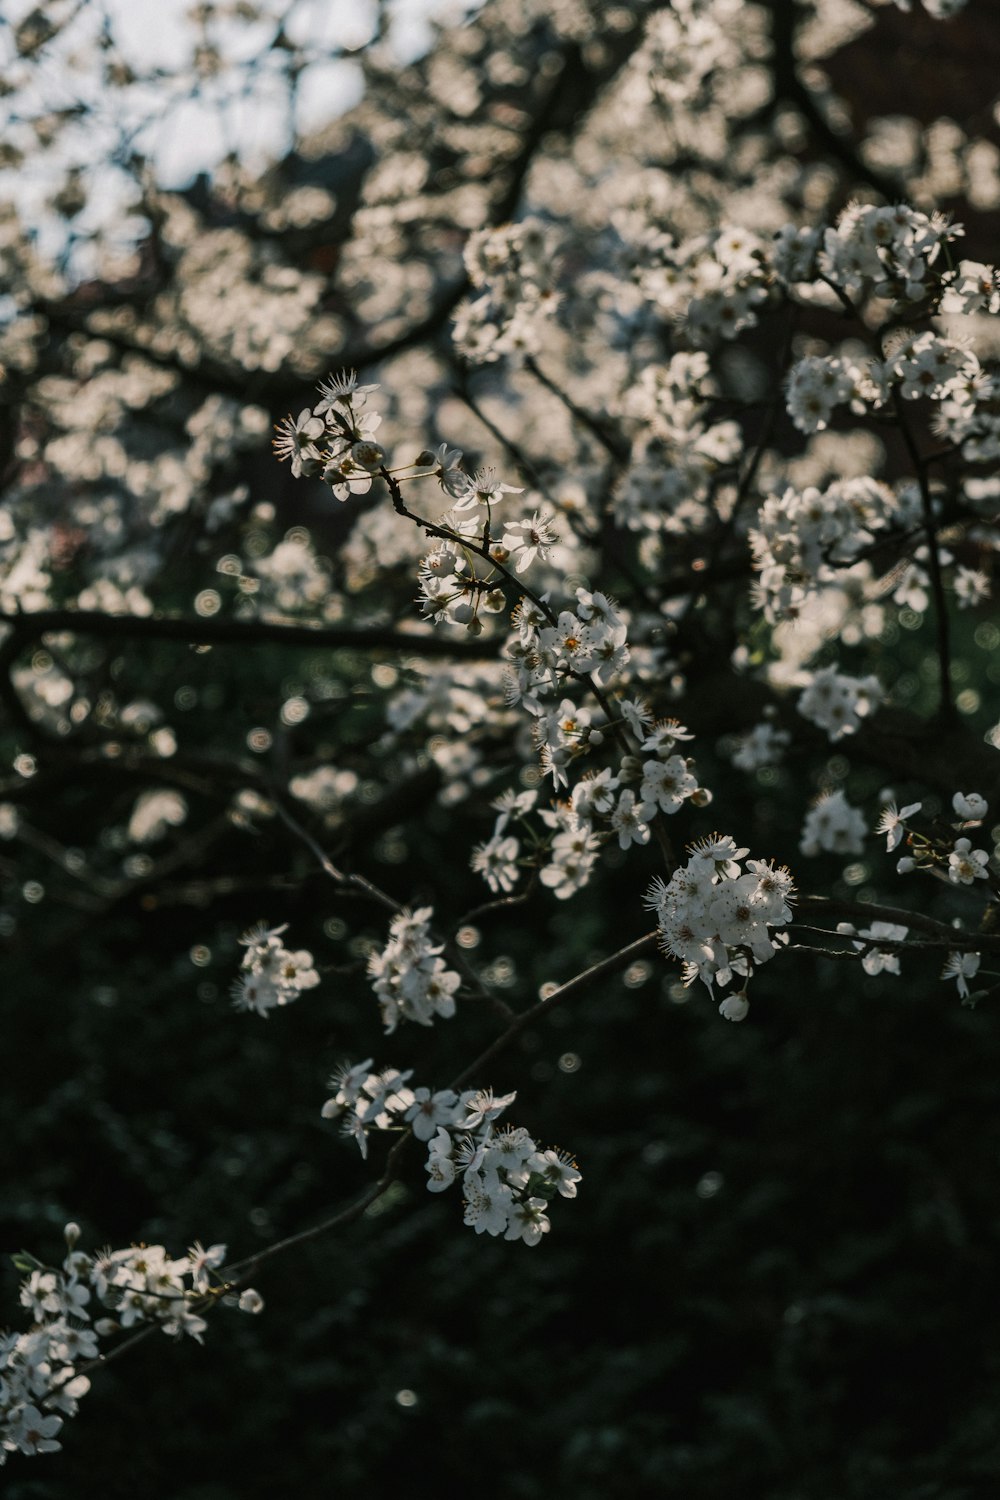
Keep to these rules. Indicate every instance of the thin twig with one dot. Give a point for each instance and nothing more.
(947, 712)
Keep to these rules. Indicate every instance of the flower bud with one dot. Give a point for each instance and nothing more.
(734, 1007)
(71, 1234)
(425, 459)
(368, 455)
(251, 1301)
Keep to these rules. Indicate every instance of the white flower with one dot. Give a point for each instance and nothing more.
(496, 861)
(838, 703)
(430, 1112)
(202, 1261)
(568, 874)
(637, 716)
(526, 540)
(445, 464)
(272, 975)
(440, 1170)
(34, 1432)
(833, 825)
(892, 823)
(966, 864)
(970, 806)
(595, 794)
(527, 1221)
(735, 1007)
(511, 804)
(715, 918)
(764, 745)
(367, 455)
(485, 488)
(510, 1151)
(665, 786)
(346, 478)
(559, 1170)
(961, 967)
(971, 586)
(627, 823)
(484, 1106)
(877, 960)
(341, 390)
(488, 1202)
(296, 439)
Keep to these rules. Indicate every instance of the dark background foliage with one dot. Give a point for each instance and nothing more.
(778, 1275)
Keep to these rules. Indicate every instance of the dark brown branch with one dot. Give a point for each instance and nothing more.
(789, 89)
(213, 632)
(864, 911)
(946, 702)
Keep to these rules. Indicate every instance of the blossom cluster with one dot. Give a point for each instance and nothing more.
(513, 270)
(545, 648)
(716, 917)
(763, 745)
(451, 590)
(900, 254)
(801, 538)
(833, 826)
(711, 286)
(507, 1180)
(954, 858)
(887, 252)
(271, 974)
(676, 448)
(335, 439)
(838, 703)
(967, 414)
(41, 1379)
(409, 976)
(604, 804)
(916, 366)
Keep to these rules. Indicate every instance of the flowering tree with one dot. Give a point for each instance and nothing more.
(618, 634)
